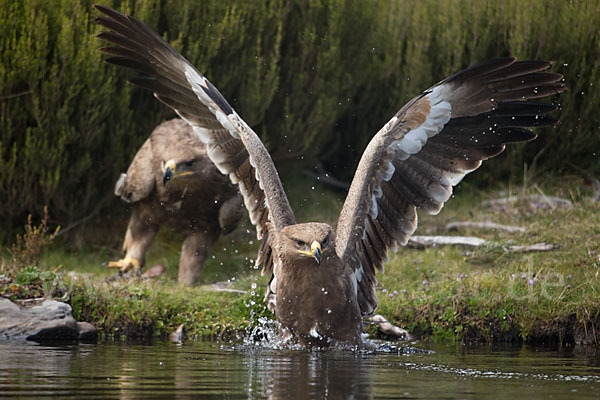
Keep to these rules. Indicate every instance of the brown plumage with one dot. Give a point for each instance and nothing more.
(172, 182)
(323, 283)
(315, 300)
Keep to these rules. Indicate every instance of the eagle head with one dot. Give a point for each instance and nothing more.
(305, 241)
(172, 170)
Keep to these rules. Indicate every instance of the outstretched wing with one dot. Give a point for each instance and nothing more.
(231, 144)
(427, 148)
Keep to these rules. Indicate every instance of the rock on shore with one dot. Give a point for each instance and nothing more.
(50, 320)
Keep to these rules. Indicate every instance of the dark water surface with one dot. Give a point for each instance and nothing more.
(225, 370)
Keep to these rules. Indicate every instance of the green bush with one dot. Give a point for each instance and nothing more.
(316, 79)
(65, 118)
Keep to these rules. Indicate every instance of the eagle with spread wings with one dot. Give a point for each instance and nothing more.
(172, 182)
(322, 281)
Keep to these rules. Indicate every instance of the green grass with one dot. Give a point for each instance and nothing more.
(490, 293)
(142, 309)
(486, 293)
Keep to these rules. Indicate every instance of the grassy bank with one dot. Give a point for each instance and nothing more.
(488, 293)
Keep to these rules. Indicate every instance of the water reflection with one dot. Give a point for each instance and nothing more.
(303, 374)
(217, 370)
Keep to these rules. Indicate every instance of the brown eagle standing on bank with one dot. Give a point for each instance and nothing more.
(323, 281)
(171, 181)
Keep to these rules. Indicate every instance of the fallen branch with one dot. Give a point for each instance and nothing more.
(218, 289)
(421, 242)
(551, 201)
(533, 247)
(25, 302)
(223, 287)
(453, 226)
(388, 328)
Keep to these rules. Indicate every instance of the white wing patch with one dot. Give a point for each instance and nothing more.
(440, 193)
(216, 154)
(196, 80)
(203, 133)
(373, 210)
(223, 120)
(273, 284)
(356, 277)
(387, 171)
(411, 143)
(454, 178)
(439, 115)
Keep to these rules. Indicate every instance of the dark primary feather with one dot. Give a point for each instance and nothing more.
(217, 97)
(479, 88)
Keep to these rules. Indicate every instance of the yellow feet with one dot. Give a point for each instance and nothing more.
(126, 264)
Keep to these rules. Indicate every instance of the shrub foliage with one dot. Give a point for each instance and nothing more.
(27, 250)
(315, 78)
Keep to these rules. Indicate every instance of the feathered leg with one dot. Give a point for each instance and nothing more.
(230, 213)
(193, 254)
(139, 236)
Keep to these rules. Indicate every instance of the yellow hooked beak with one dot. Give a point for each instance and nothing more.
(170, 171)
(315, 251)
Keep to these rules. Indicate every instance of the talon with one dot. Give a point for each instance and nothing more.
(137, 266)
(114, 264)
(125, 265)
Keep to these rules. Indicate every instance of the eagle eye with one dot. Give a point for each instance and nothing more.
(300, 243)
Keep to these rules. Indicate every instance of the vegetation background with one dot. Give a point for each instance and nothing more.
(315, 78)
